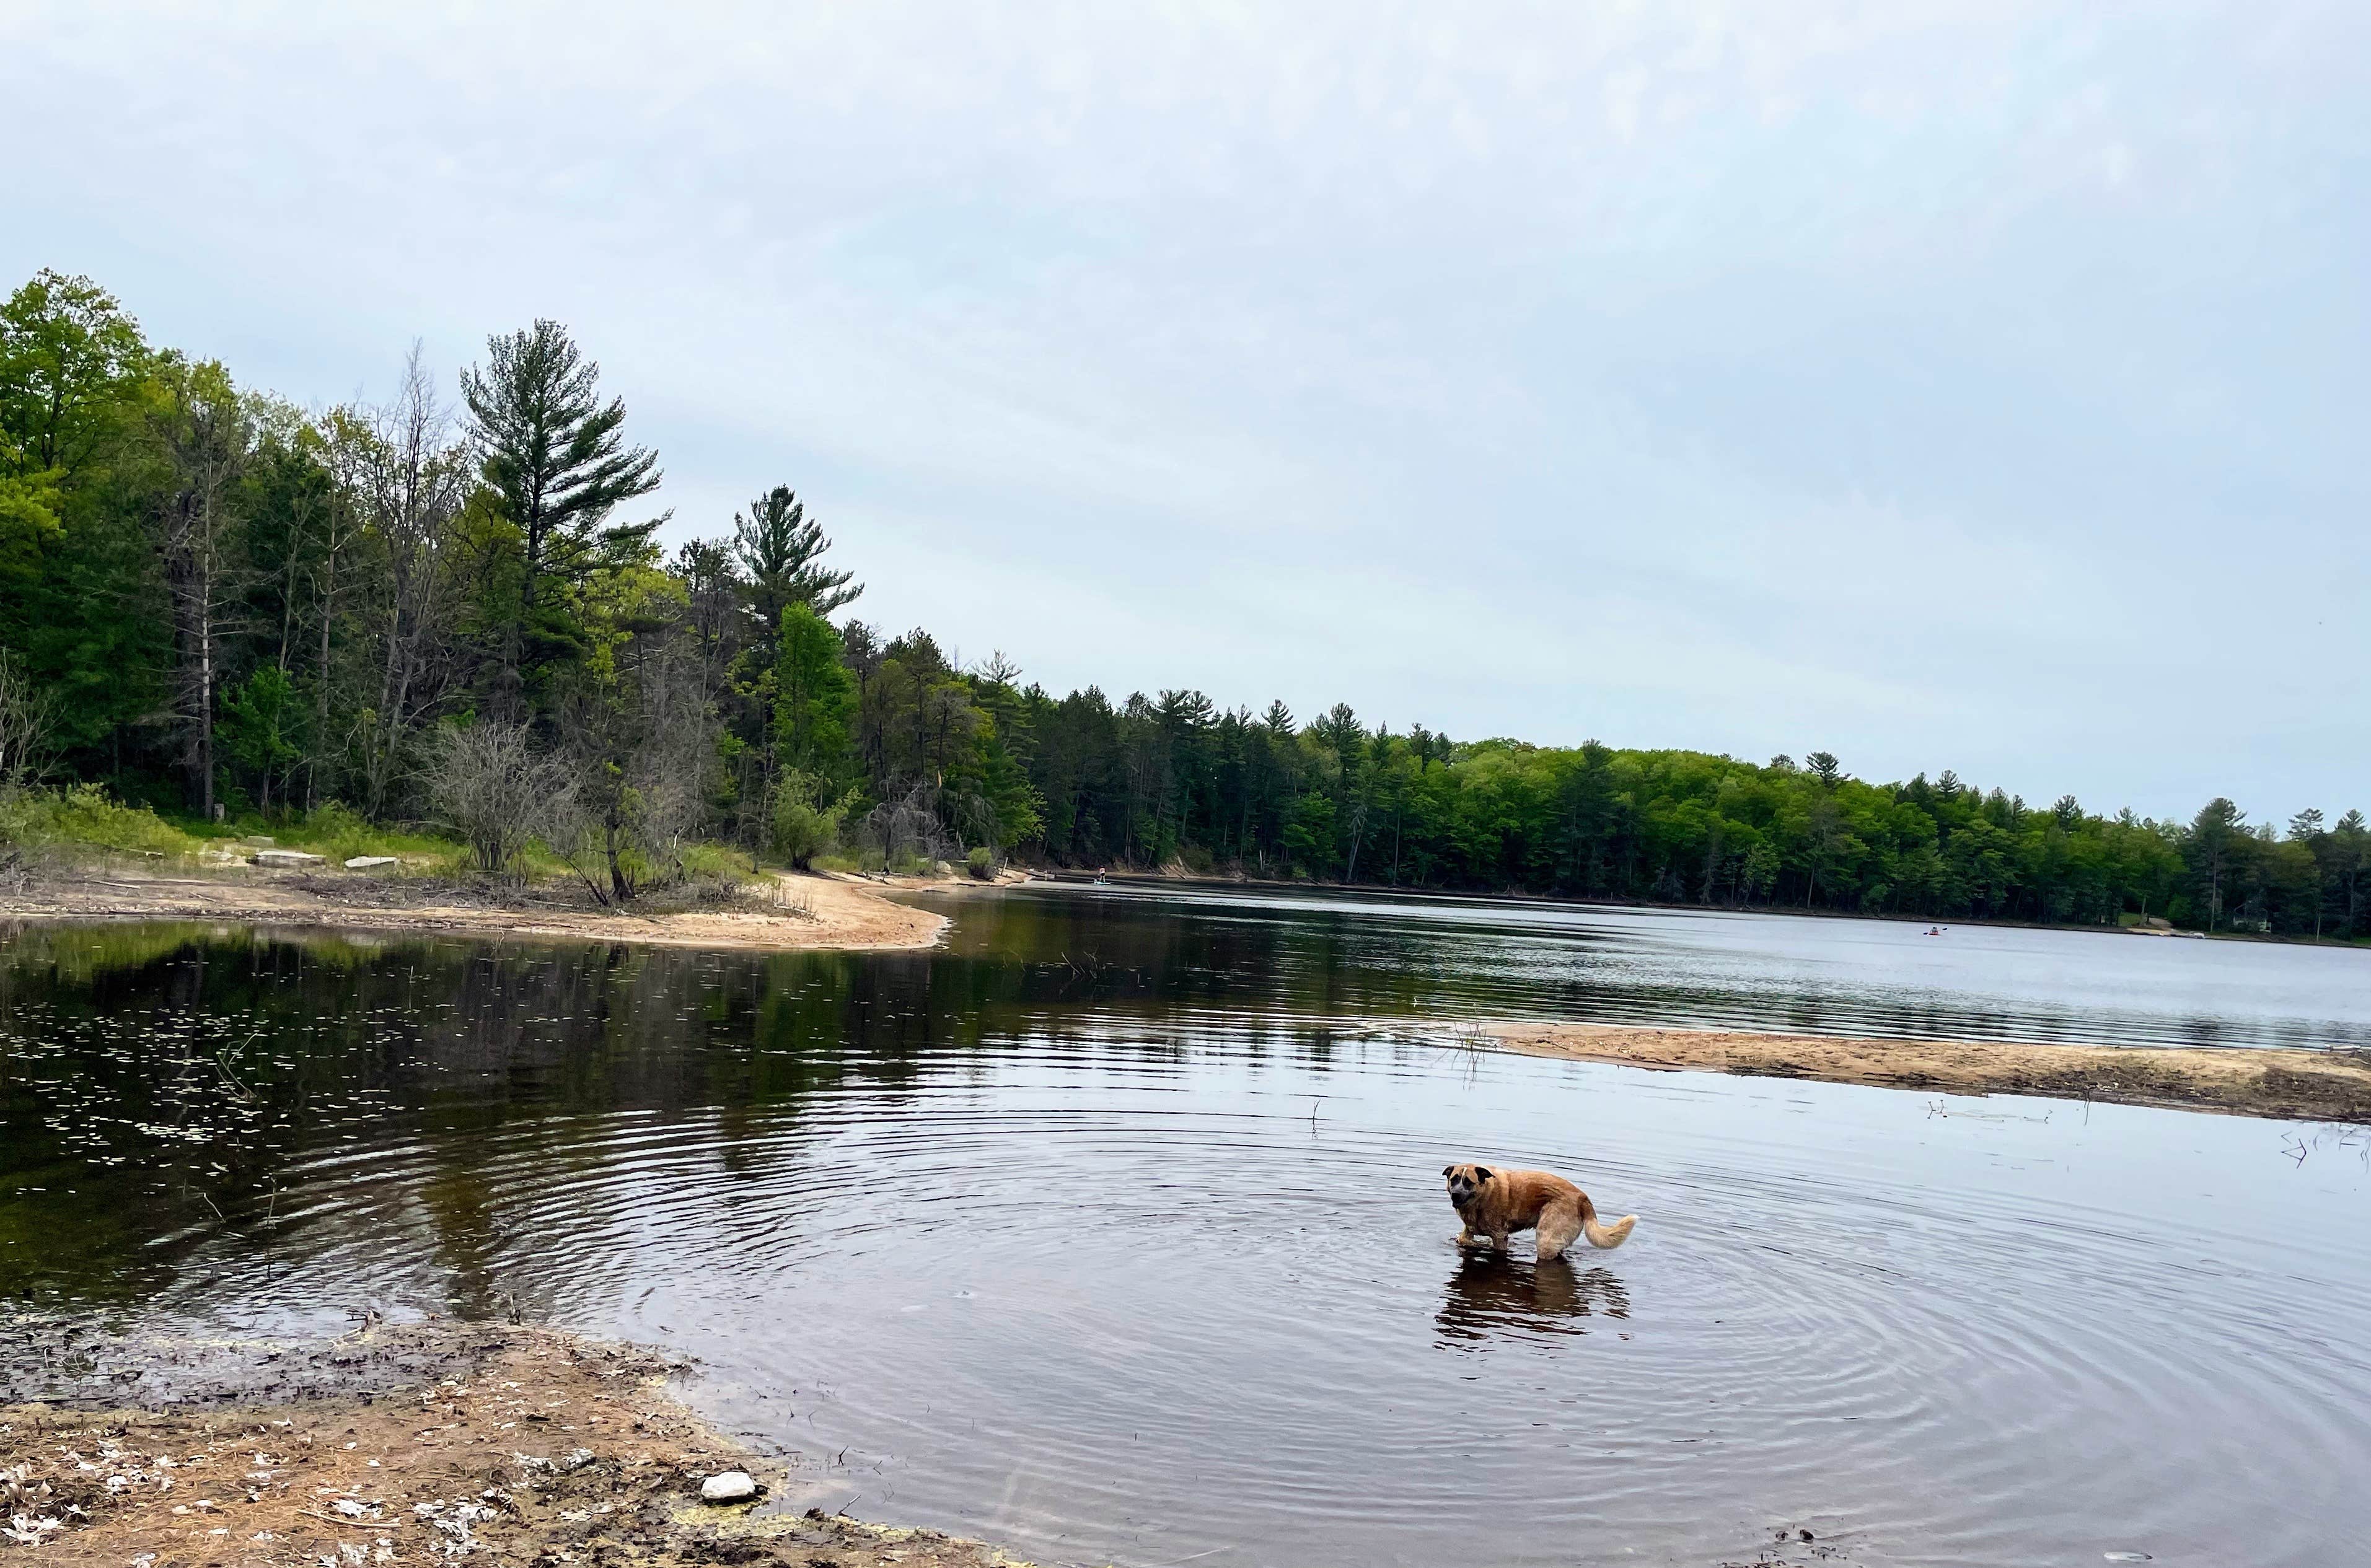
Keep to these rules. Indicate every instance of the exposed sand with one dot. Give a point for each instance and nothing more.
(441, 1442)
(813, 911)
(2311, 1086)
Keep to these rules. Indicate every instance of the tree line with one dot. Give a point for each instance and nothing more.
(448, 609)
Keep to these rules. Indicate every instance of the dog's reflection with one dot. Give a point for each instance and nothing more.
(1492, 1293)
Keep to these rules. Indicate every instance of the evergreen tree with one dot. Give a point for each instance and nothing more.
(556, 463)
(782, 551)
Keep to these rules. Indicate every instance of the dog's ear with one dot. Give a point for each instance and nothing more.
(1448, 1171)
(1481, 1173)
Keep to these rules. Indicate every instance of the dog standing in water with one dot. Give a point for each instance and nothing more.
(1494, 1203)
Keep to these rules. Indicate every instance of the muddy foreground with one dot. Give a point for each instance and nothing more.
(422, 1444)
(2303, 1085)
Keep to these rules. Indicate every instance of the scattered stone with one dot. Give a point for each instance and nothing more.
(300, 1423)
(369, 862)
(729, 1486)
(289, 857)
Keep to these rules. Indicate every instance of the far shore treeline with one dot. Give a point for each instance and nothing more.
(445, 610)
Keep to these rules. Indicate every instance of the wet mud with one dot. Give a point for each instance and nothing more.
(423, 1443)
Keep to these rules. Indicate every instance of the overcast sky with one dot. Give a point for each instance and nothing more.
(1946, 386)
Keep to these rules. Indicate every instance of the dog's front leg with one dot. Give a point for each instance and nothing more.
(1464, 1238)
(1497, 1241)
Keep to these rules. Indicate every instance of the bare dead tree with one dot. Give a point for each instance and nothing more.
(640, 744)
(27, 723)
(910, 826)
(673, 766)
(206, 432)
(496, 790)
(568, 824)
(407, 474)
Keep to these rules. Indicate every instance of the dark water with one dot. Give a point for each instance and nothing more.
(1092, 1234)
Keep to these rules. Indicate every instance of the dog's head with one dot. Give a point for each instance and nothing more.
(1464, 1181)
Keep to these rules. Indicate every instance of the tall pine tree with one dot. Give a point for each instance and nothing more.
(558, 465)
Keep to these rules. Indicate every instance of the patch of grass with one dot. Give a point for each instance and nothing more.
(719, 863)
(86, 817)
(83, 816)
(338, 833)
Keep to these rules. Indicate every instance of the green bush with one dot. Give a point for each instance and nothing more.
(982, 862)
(85, 815)
(803, 824)
(714, 863)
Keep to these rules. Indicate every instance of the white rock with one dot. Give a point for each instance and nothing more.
(365, 862)
(286, 858)
(731, 1486)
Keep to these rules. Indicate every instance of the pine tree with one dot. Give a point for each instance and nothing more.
(782, 551)
(558, 465)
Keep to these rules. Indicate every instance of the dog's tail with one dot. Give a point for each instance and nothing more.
(1612, 1235)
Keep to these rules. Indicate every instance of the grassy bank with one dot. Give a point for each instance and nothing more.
(85, 820)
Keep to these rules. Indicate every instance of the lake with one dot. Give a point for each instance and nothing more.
(1113, 1230)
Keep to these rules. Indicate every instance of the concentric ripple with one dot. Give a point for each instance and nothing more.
(1106, 1286)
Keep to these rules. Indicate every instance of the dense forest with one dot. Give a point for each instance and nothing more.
(445, 609)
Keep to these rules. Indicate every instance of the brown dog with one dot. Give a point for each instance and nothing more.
(1494, 1204)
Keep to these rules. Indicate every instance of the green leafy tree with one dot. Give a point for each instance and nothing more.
(805, 820)
(815, 698)
(69, 355)
(80, 597)
(259, 729)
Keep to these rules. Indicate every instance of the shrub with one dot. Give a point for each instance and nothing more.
(495, 791)
(803, 823)
(84, 815)
(982, 862)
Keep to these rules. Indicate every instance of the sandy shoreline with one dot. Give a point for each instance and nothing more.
(814, 911)
(415, 1444)
(2306, 1086)
(850, 913)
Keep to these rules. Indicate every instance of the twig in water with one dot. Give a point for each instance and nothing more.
(1469, 1037)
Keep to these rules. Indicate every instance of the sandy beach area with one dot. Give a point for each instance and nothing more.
(804, 911)
(2312, 1086)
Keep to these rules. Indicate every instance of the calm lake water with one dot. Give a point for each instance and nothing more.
(1114, 1231)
